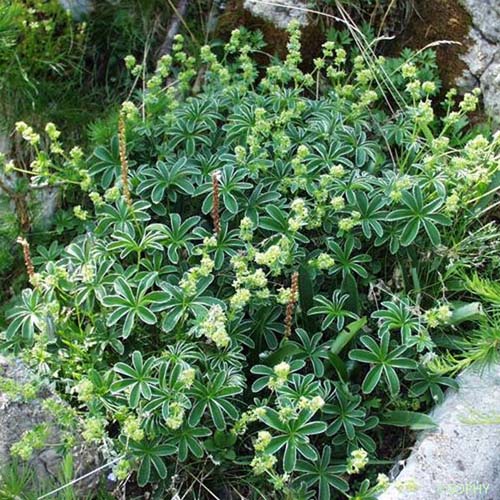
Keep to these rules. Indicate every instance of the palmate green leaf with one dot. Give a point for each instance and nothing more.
(179, 235)
(137, 378)
(131, 303)
(398, 316)
(215, 395)
(179, 305)
(312, 350)
(293, 435)
(424, 381)
(322, 474)
(167, 179)
(187, 441)
(150, 454)
(107, 165)
(382, 362)
(413, 420)
(416, 215)
(345, 262)
(334, 310)
(27, 316)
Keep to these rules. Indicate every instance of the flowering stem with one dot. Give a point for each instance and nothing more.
(215, 208)
(27, 257)
(123, 159)
(290, 308)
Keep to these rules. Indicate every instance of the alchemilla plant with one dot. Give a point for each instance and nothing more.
(268, 273)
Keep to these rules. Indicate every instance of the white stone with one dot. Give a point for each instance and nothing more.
(18, 415)
(279, 12)
(461, 458)
(483, 55)
(78, 8)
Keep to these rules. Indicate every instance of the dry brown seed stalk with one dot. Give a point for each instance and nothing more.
(216, 202)
(123, 159)
(30, 269)
(290, 308)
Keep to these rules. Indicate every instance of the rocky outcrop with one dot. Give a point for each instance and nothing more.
(461, 458)
(483, 55)
(279, 12)
(78, 8)
(23, 408)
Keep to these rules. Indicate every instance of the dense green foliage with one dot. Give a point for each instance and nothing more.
(268, 272)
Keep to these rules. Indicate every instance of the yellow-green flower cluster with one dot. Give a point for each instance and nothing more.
(30, 441)
(382, 481)
(313, 404)
(247, 417)
(398, 186)
(323, 262)
(27, 133)
(175, 415)
(84, 390)
(275, 257)
(213, 327)
(262, 441)
(245, 281)
(80, 213)
(190, 279)
(246, 229)
(240, 299)
(94, 429)
(423, 113)
(281, 372)
(438, 316)
(123, 469)
(263, 463)
(357, 461)
(130, 111)
(348, 223)
(409, 71)
(187, 377)
(112, 194)
(131, 428)
(300, 214)
(470, 101)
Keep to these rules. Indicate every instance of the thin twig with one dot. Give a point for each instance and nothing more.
(81, 478)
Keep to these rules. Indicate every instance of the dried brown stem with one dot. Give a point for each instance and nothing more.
(290, 308)
(123, 159)
(30, 269)
(216, 202)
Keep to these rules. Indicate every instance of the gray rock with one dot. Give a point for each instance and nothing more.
(486, 17)
(4, 143)
(20, 413)
(461, 458)
(78, 8)
(279, 15)
(483, 55)
(42, 201)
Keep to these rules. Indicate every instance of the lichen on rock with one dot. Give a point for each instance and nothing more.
(483, 55)
(32, 428)
(461, 458)
(279, 12)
